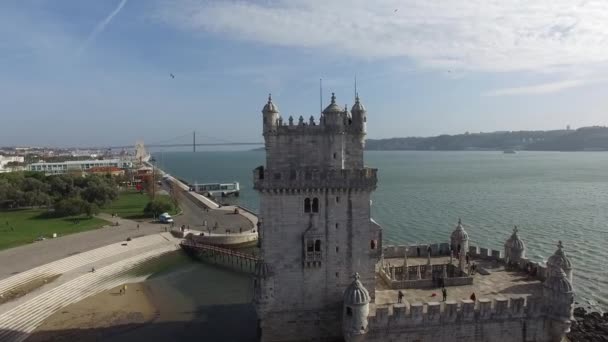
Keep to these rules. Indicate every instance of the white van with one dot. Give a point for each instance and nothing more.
(165, 218)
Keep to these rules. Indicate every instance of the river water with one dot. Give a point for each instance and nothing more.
(550, 196)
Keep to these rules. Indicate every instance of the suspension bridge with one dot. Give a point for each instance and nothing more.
(179, 141)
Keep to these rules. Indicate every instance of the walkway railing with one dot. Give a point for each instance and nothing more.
(245, 261)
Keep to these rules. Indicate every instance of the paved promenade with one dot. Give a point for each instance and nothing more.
(35, 254)
(113, 266)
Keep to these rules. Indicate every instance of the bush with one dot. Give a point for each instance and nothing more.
(158, 206)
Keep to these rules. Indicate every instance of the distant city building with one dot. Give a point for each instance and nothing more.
(78, 165)
(106, 170)
(568, 128)
(4, 160)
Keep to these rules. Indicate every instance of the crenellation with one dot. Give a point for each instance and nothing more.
(485, 308)
(484, 253)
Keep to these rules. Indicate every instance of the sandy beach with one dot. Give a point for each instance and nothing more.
(189, 301)
(105, 314)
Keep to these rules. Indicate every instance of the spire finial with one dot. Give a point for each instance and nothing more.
(560, 245)
(459, 221)
(356, 276)
(269, 97)
(333, 98)
(357, 97)
(515, 229)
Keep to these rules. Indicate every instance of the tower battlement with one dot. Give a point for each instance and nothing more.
(428, 313)
(298, 180)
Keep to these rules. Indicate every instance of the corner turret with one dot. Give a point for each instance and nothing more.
(559, 259)
(459, 240)
(271, 116)
(359, 116)
(333, 115)
(558, 297)
(356, 310)
(515, 249)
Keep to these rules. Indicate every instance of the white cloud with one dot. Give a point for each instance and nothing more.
(482, 35)
(101, 26)
(543, 88)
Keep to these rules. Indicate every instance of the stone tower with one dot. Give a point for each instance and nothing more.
(316, 230)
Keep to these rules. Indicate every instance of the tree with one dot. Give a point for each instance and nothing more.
(70, 206)
(100, 194)
(158, 206)
(90, 209)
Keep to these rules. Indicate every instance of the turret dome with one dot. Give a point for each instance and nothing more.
(558, 281)
(270, 107)
(459, 233)
(356, 293)
(358, 106)
(559, 259)
(333, 106)
(514, 242)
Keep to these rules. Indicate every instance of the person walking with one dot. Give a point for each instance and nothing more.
(445, 294)
(400, 297)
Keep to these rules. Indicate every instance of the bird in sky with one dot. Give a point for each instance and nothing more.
(396, 9)
(172, 76)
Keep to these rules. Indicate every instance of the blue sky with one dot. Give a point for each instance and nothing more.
(88, 73)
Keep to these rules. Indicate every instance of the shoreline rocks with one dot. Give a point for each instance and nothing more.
(589, 326)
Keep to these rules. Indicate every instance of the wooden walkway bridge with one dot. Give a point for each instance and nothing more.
(244, 261)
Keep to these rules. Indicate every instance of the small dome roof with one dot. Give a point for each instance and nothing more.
(333, 106)
(558, 281)
(514, 242)
(358, 106)
(356, 293)
(559, 259)
(459, 233)
(270, 107)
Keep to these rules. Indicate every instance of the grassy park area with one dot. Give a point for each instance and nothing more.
(18, 227)
(130, 205)
(23, 226)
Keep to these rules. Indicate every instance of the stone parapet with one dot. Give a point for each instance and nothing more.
(437, 249)
(433, 313)
(340, 179)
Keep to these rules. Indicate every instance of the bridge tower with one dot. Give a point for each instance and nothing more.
(316, 231)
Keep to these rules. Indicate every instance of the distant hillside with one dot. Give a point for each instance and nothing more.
(583, 139)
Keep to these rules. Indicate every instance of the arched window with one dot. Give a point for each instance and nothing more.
(349, 311)
(307, 205)
(310, 246)
(315, 205)
(317, 245)
(373, 244)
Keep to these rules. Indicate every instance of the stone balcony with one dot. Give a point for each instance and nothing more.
(356, 179)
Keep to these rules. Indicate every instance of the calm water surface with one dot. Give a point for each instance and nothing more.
(420, 196)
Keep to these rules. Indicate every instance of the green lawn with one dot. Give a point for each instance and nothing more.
(18, 227)
(130, 205)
